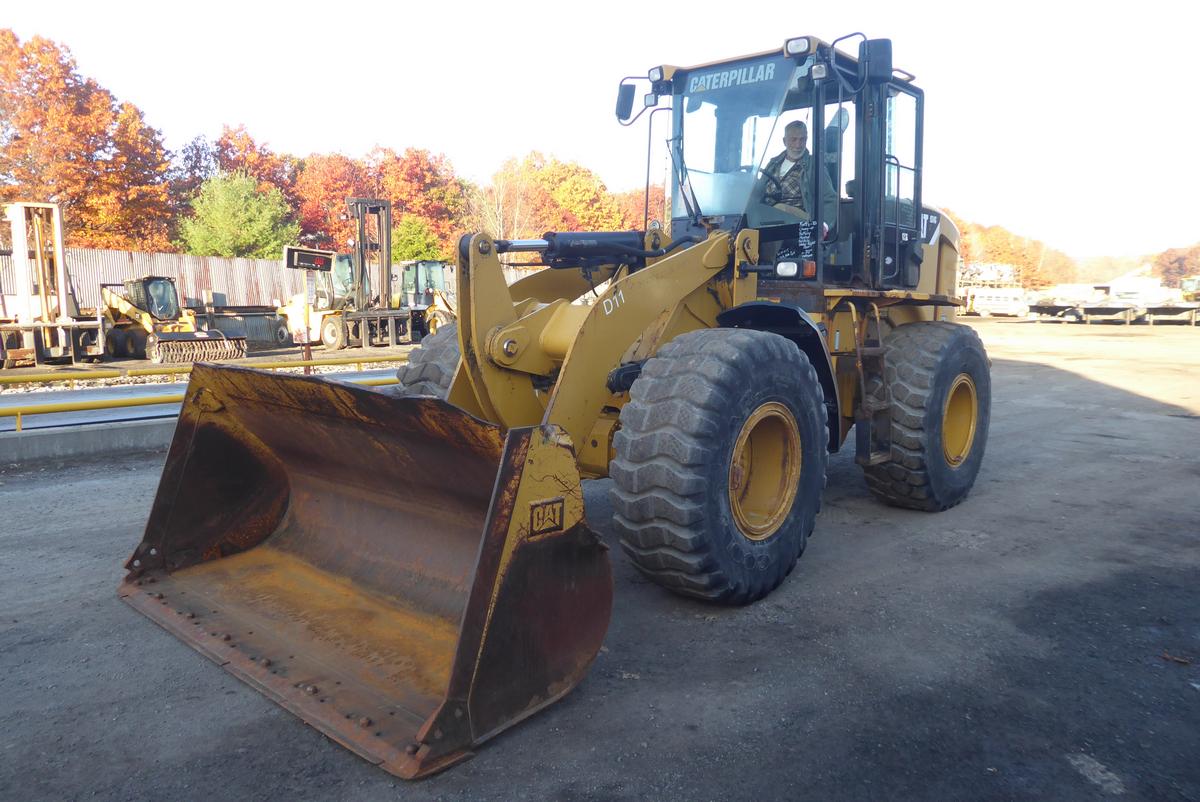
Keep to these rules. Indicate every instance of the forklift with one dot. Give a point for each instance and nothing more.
(352, 302)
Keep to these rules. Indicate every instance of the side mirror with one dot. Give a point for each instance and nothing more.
(625, 93)
(875, 57)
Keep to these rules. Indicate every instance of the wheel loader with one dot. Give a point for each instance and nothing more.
(416, 574)
(142, 319)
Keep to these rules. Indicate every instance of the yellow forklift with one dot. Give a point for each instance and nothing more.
(354, 302)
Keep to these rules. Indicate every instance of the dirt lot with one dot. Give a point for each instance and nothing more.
(1040, 641)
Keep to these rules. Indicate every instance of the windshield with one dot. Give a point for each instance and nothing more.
(420, 279)
(728, 126)
(162, 299)
(343, 275)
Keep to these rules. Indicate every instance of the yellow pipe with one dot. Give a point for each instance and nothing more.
(115, 373)
(115, 403)
(32, 378)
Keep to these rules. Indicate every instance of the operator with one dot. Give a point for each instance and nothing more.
(791, 189)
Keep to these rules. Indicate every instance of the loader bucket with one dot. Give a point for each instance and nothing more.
(397, 573)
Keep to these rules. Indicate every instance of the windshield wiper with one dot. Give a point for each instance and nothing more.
(675, 147)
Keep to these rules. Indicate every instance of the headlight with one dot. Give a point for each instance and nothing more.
(656, 75)
(796, 47)
(787, 269)
(650, 100)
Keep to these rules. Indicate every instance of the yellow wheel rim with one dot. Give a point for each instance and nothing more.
(959, 420)
(764, 473)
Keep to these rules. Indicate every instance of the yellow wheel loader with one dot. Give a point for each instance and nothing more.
(143, 319)
(416, 573)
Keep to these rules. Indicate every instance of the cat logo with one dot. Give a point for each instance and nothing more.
(545, 517)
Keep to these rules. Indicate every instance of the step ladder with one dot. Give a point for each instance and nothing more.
(872, 417)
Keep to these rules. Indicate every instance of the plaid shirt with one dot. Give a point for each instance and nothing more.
(797, 189)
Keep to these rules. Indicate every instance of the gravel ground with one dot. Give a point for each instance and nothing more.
(1042, 640)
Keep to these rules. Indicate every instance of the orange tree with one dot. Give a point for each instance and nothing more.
(65, 138)
(237, 152)
(421, 185)
(324, 184)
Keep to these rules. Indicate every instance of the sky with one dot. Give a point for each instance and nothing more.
(1073, 122)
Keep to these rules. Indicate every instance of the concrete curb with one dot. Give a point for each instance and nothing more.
(93, 438)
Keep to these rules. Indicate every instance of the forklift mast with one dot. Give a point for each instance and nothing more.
(372, 252)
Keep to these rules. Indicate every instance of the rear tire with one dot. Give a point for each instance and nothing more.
(114, 343)
(941, 392)
(135, 343)
(720, 464)
(431, 365)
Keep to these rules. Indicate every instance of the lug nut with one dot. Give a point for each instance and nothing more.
(225, 636)
(311, 690)
(411, 749)
(364, 722)
(266, 661)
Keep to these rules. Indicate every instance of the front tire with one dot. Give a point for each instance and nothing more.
(941, 392)
(333, 333)
(720, 463)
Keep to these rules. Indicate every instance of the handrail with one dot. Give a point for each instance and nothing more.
(20, 410)
(120, 373)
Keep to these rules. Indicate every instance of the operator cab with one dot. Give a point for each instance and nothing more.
(155, 294)
(850, 216)
(420, 279)
(334, 287)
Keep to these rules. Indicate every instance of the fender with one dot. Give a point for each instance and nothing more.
(794, 323)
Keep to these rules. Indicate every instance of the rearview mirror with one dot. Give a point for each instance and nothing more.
(625, 94)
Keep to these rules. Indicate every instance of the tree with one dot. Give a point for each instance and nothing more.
(539, 194)
(236, 151)
(195, 163)
(324, 184)
(424, 185)
(633, 207)
(581, 202)
(414, 239)
(1175, 264)
(66, 139)
(130, 207)
(233, 217)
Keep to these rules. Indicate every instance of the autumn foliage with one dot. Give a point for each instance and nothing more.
(64, 137)
(1033, 263)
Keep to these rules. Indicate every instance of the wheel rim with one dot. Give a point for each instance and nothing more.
(764, 473)
(959, 420)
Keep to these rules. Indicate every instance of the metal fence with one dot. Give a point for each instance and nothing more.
(234, 282)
